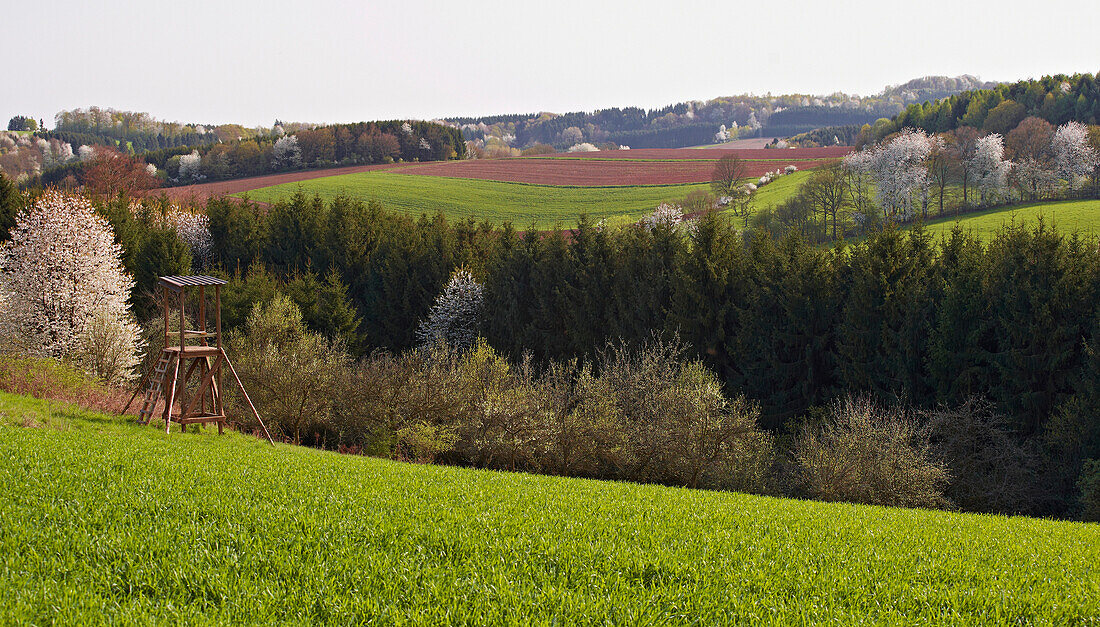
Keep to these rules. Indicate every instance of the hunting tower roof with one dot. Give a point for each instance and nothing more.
(177, 283)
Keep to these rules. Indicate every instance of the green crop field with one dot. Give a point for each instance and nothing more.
(1067, 216)
(102, 521)
(524, 205)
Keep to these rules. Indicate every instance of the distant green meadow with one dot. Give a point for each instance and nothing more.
(525, 205)
(1066, 216)
(103, 521)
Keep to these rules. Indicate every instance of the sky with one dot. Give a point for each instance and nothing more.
(341, 61)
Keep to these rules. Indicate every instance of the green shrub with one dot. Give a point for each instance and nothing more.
(866, 453)
(1088, 489)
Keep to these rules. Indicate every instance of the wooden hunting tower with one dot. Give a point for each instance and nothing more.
(198, 352)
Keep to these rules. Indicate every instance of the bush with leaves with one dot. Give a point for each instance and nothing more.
(679, 425)
(867, 453)
(291, 374)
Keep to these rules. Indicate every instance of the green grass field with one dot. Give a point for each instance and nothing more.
(780, 189)
(1067, 216)
(524, 205)
(102, 521)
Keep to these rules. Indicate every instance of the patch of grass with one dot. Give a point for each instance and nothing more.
(48, 378)
(523, 204)
(1067, 216)
(108, 522)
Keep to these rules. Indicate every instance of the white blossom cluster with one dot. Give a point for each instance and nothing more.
(189, 166)
(193, 229)
(1073, 156)
(583, 147)
(286, 152)
(455, 317)
(64, 287)
(989, 166)
(768, 177)
(22, 157)
(666, 215)
(898, 170)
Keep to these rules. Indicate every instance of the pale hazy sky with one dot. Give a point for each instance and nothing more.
(333, 61)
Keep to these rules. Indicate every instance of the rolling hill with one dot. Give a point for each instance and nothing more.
(112, 522)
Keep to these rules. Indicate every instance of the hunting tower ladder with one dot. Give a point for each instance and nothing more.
(192, 352)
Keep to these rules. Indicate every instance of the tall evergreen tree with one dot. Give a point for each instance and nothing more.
(883, 334)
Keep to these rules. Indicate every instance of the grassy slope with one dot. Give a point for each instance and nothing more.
(115, 523)
(1067, 216)
(780, 189)
(523, 204)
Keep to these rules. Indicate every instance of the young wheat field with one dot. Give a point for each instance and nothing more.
(102, 521)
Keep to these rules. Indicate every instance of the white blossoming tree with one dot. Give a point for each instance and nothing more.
(189, 166)
(900, 174)
(286, 152)
(1073, 156)
(192, 227)
(989, 166)
(583, 147)
(65, 289)
(456, 315)
(665, 215)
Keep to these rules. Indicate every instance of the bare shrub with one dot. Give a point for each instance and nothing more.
(580, 432)
(867, 453)
(990, 470)
(499, 408)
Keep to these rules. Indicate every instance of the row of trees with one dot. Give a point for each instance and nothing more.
(913, 175)
(343, 144)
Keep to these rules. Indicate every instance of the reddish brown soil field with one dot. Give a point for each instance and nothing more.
(594, 173)
(588, 169)
(202, 191)
(829, 152)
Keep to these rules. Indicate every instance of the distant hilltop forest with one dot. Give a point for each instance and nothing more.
(178, 153)
(704, 122)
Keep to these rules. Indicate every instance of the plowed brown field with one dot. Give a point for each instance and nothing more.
(655, 166)
(593, 173)
(202, 191)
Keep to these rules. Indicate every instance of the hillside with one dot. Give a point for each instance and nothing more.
(698, 122)
(525, 205)
(118, 523)
(1067, 216)
(544, 191)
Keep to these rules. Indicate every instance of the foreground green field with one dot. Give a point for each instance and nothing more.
(105, 522)
(524, 205)
(1067, 216)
